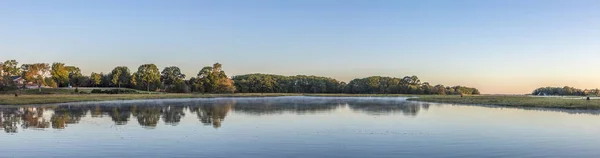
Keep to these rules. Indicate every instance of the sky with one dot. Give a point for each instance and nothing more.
(498, 46)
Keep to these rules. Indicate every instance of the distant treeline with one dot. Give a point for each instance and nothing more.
(211, 79)
(266, 83)
(566, 90)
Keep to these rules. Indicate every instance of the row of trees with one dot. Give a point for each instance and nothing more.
(266, 83)
(147, 77)
(212, 79)
(406, 85)
(566, 90)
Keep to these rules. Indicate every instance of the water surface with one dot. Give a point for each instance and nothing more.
(294, 127)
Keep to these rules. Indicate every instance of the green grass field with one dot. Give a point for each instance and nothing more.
(64, 98)
(61, 96)
(515, 101)
(31, 96)
(63, 90)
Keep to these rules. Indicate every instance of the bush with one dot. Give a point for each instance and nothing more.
(114, 91)
(179, 87)
(97, 91)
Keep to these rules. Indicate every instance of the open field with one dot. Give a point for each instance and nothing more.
(515, 101)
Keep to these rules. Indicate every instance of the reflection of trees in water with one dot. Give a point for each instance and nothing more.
(279, 108)
(407, 108)
(64, 115)
(34, 118)
(301, 106)
(211, 112)
(172, 114)
(120, 115)
(10, 120)
(147, 116)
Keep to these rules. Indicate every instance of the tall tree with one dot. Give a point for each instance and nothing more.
(95, 78)
(76, 79)
(120, 75)
(171, 75)
(214, 80)
(36, 72)
(9, 68)
(59, 73)
(149, 74)
(133, 80)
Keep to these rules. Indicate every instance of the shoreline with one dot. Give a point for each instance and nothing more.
(518, 101)
(39, 99)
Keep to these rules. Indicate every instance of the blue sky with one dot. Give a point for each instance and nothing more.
(504, 46)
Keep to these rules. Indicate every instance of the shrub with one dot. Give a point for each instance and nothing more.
(97, 91)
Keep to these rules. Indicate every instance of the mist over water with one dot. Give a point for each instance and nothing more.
(293, 127)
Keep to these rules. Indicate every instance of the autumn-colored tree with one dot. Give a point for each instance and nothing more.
(59, 73)
(214, 80)
(35, 72)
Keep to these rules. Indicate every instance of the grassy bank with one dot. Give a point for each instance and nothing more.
(500, 100)
(515, 101)
(64, 96)
(64, 90)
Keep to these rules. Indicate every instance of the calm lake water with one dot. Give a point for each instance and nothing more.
(294, 127)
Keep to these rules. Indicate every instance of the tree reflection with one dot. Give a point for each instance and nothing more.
(120, 115)
(213, 113)
(172, 114)
(407, 108)
(10, 120)
(64, 115)
(33, 118)
(147, 116)
(210, 112)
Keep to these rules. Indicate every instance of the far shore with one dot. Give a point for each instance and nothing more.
(498, 100)
(27, 99)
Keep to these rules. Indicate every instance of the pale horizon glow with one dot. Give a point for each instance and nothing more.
(497, 46)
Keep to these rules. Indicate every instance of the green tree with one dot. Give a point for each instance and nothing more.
(9, 68)
(59, 73)
(149, 74)
(214, 80)
(120, 75)
(95, 78)
(35, 72)
(171, 75)
(76, 79)
(133, 80)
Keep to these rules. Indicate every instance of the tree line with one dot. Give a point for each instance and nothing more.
(267, 83)
(212, 79)
(566, 90)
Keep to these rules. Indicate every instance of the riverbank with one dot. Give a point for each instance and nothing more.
(499, 100)
(67, 98)
(515, 101)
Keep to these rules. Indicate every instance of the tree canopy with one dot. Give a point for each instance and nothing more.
(149, 75)
(212, 79)
(566, 90)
